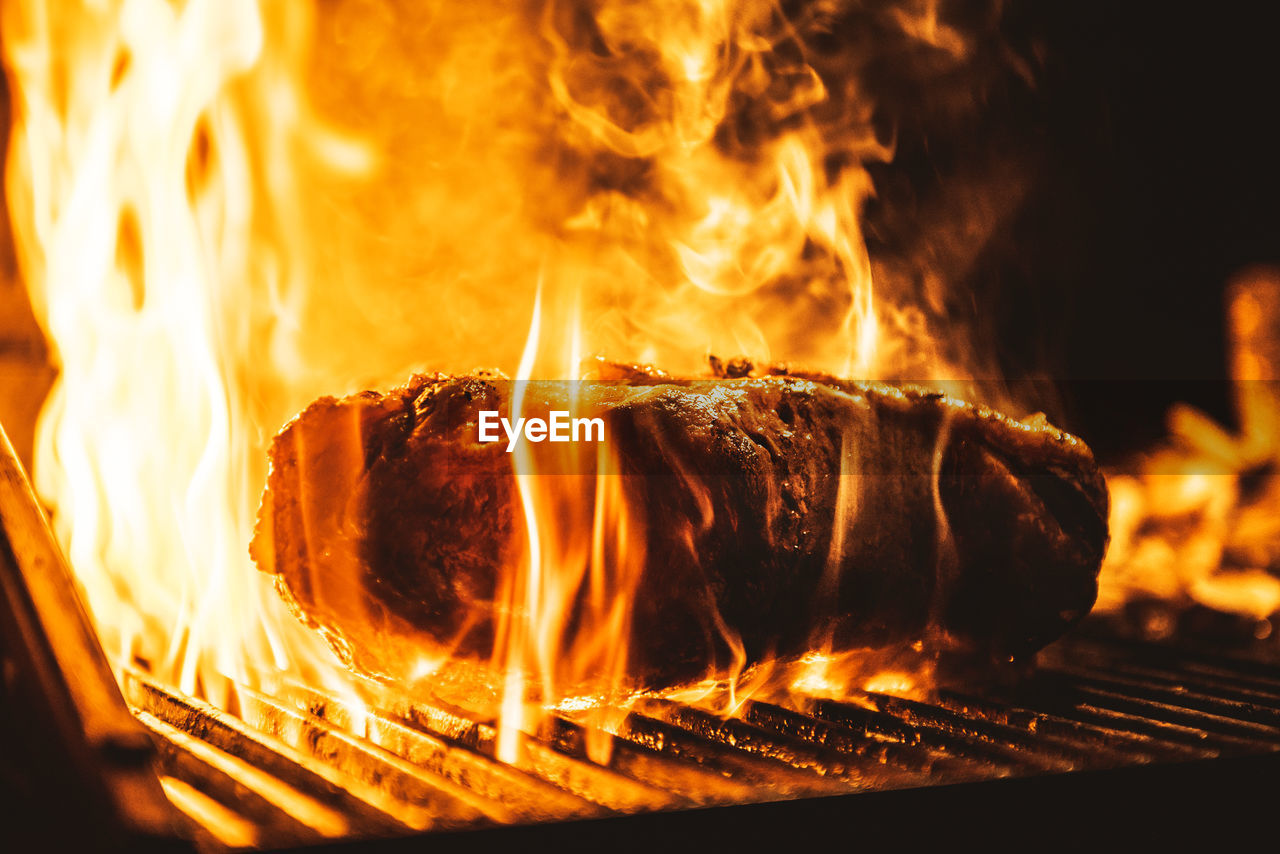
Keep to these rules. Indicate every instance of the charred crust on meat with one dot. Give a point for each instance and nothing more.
(387, 523)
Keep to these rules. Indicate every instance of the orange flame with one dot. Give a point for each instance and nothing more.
(1198, 522)
(207, 255)
(157, 273)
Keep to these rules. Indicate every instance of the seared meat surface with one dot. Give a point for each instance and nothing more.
(783, 507)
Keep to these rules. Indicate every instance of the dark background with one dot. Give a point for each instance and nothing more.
(1128, 151)
(1165, 147)
(1148, 148)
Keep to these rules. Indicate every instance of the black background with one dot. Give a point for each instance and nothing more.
(1155, 181)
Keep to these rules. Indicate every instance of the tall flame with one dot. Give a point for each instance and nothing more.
(164, 283)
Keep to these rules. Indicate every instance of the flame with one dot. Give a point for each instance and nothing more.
(1198, 521)
(225, 209)
(159, 276)
(580, 547)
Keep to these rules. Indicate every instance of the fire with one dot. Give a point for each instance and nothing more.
(156, 272)
(579, 539)
(1197, 522)
(227, 209)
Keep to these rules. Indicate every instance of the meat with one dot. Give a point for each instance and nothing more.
(784, 507)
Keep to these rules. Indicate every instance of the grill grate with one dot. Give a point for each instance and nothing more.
(299, 767)
(1092, 705)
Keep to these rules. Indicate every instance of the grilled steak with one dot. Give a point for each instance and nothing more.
(387, 522)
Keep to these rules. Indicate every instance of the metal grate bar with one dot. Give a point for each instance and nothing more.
(1262, 720)
(410, 765)
(768, 777)
(544, 787)
(803, 754)
(279, 812)
(1223, 729)
(870, 747)
(966, 745)
(1125, 746)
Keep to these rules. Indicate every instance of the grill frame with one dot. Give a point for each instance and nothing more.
(69, 737)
